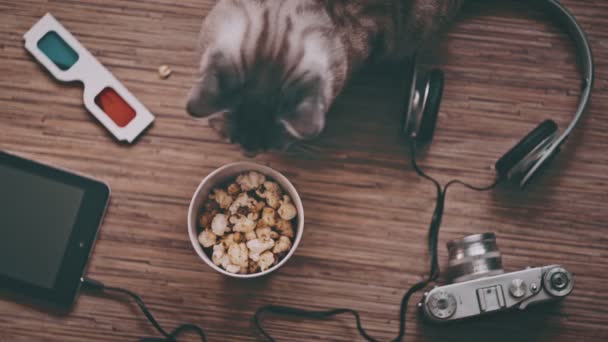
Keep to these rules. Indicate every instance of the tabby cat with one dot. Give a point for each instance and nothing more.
(270, 69)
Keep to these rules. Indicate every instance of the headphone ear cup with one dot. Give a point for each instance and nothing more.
(428, 120)
(531, 141)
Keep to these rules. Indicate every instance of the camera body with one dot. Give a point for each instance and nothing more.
(480, 286)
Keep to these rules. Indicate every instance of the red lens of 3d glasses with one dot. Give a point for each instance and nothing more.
(115, 107)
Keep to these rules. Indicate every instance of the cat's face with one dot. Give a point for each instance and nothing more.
(259, 110)
(263, 84)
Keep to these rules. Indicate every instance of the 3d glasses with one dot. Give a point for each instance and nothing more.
(104, 96)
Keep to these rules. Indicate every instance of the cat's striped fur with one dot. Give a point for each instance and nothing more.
(272, 68)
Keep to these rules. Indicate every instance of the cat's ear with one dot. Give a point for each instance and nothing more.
(214, 90)
(306, 118)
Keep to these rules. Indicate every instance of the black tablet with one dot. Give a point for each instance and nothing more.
(49, 220)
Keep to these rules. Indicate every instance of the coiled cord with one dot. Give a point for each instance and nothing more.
(434, 271)
(97, 286)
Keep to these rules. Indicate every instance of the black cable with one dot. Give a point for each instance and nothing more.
(434, 272)
(97, 286)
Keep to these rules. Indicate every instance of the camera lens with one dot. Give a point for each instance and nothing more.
(473, 257)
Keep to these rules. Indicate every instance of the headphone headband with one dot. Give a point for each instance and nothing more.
(526, 158)
(585, 59)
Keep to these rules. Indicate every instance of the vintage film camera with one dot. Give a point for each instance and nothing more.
(480, 286)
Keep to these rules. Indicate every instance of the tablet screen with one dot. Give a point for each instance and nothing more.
(37, 216)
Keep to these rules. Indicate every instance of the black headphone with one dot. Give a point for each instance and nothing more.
(526, 159)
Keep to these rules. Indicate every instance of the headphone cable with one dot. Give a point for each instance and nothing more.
(99, 287)
(434, 272)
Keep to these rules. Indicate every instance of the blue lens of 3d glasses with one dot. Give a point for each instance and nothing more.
(57, 50)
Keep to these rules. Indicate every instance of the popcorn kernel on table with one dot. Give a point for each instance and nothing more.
(164, 71)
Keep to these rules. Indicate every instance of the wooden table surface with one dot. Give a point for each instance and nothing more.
(367, 213)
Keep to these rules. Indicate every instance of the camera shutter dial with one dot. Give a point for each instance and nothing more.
(441, 305)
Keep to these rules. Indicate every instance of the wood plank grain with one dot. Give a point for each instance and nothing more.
(507, 68)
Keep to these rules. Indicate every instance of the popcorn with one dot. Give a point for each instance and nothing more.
(211, 207)
(287, 211)
(285, 228)
(225, 260)
(250, 181)
(266, 260)
(266, 233)
(164, 71)
(206, 218)
(243, 201)
(272, 187)
(243, 232)
(253, 266)
(242, 224)
(233, 189)
(282, 246)
(232, 239)
(239, 255)
(272, 194)
(219, 225)
(223, 199)
(268, 217)
(207, 238)
(258, 246)
(251, 236)
(233, 268)
(273, 200)
(259, 206)
(219, 252)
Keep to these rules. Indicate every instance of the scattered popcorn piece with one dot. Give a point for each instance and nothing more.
(234, 189)
(258, 246)
(164, 71)
(219, 252)
(285, 228)
(239, 255)
(287, 211)
(219, 225)
(282, 246)
(242, 224)
(223, 199)
(268, 217)
(207, 238)
(250, 181)
(266, 261)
